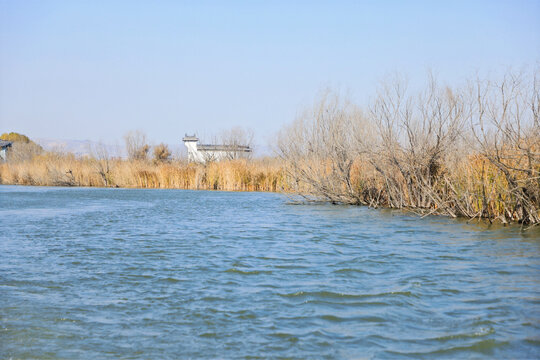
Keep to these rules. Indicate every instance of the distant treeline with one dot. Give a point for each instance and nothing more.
(471, 152)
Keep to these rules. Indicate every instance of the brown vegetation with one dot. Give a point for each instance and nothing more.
(472, 152)
(161, 153)
(136, 145)
(53, 169)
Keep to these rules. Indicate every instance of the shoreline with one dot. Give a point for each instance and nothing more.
(403, 211)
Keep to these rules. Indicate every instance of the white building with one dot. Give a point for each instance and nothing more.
(206, 153)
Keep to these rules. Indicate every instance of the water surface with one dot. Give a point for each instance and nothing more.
(123, 273)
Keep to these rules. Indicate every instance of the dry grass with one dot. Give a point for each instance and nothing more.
(52, 169)
(470, 187)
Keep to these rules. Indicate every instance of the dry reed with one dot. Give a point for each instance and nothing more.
(51, 169)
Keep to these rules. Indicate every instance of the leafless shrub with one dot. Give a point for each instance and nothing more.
(101, 161)
(416, 135)
(472, 151)
(319, 149)
(235, 140)
(237, 136)
(136, 145)
(161, 153)
(232, 144)
(504, 120)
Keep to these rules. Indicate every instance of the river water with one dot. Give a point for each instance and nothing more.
(125, 273)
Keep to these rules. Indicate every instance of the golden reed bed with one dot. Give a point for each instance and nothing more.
(67, 170)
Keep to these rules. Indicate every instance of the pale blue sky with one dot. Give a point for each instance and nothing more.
(96, 69)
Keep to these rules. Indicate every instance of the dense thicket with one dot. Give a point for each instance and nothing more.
(472, 151)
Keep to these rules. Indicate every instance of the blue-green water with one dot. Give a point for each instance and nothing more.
(118, 273)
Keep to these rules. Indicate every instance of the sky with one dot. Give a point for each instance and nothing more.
(94, 70)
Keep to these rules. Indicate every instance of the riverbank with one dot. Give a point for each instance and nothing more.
(472, 188)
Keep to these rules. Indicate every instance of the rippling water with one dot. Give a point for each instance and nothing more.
(109, 273)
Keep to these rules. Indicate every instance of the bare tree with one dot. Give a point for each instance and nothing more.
(319, 149)
(238, 141)
(101, 161)
(136, 145)
(235, 143)
(505, 123)
(415, 135)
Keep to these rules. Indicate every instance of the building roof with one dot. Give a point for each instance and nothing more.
(5, 143)
(236, 148)
(190, 138)
(208, 147)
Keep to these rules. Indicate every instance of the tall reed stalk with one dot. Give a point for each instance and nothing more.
(53, 169)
